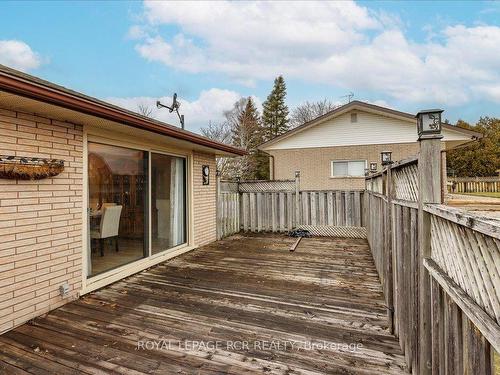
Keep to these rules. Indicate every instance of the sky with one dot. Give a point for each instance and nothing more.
(403, 55)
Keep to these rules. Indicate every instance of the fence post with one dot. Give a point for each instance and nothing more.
(429, 191)
(218, 197)
(298, 220)
(388, 248)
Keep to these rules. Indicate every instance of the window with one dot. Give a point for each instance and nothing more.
(354, 117)
(348, 168)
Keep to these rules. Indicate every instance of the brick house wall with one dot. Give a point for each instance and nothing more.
(40, 221)
(204, 200)
(314, 164)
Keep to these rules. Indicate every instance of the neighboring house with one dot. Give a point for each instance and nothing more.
(334, 150)
(134, 192)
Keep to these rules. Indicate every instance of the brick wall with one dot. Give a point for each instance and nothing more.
(40, 221)
(204, 200)
(314, 163)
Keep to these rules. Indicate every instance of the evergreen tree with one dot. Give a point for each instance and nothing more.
(275, 113)
(247, 134)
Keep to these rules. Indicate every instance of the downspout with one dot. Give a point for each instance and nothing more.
(271, 167)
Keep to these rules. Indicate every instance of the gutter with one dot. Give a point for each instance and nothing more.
(91, 106)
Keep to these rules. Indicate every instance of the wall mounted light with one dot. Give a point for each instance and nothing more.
(205, 173)
(386, 157)
(429, 123)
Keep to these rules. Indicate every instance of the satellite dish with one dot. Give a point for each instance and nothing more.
(175, 107)
(175, 103)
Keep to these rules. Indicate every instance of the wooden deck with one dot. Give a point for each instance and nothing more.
(243, 305)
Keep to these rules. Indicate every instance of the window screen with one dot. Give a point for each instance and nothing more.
(348, 168)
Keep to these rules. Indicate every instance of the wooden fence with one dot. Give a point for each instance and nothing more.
(474, 184)
(439, 267)
(280, 206)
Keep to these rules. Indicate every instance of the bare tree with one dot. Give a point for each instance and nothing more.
(309, 111)
(220, 132)
(145, 110)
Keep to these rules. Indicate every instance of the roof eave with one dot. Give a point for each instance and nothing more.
(356, 103)
(24, 87)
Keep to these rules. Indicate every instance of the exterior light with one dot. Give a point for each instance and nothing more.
(373, 166)
(386, 157)
(429, 123)
(205, 173)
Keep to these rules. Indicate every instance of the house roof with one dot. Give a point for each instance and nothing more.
(25, 85)
(356, 104)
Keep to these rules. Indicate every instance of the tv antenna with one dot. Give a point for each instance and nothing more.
(348, 96)
(174, 107)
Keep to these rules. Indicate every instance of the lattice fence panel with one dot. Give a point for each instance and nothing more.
(471, 259)
(267, 186)
(405, 182)
(330, 231)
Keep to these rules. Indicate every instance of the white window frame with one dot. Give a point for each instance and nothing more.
(347, 161)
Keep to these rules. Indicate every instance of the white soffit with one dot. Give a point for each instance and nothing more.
(21, 104)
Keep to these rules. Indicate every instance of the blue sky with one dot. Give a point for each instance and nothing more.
(405, 55)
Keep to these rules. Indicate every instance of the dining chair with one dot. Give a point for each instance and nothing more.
(110, 223)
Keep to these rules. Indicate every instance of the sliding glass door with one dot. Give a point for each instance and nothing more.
(136, 205)
(168, 202)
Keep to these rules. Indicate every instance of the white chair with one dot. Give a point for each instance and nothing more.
(110, 223)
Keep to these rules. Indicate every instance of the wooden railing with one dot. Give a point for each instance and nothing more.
(280, 206)
(439, 267)
(474, 184)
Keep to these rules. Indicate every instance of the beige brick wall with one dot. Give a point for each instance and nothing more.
(40, 221)
(314, 163)
(204, 200)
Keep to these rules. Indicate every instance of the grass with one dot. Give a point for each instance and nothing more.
(490, 195)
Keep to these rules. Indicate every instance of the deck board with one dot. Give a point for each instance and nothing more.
(246, 288)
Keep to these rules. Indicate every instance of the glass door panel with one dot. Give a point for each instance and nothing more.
(168, 202)
(118, 214)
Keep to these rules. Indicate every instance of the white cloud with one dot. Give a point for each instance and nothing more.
(18, 55)
(209, 106)
(338, 43)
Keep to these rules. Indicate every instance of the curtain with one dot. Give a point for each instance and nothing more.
(177, 209)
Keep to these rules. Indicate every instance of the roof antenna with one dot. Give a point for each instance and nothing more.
(174, 107)
(348, 96)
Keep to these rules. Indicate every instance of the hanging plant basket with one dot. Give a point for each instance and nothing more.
(24, 168)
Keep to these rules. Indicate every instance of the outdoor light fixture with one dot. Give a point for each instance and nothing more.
(205, 173)
(386, 157)
(429, 123)
(373, 166)
(174, 107)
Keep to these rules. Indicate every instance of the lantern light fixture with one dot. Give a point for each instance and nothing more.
(386, 157)
(373, 166)
(429, 123)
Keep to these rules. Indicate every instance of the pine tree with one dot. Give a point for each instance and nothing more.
(275, 113)
(246, 127)
(247, 134)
